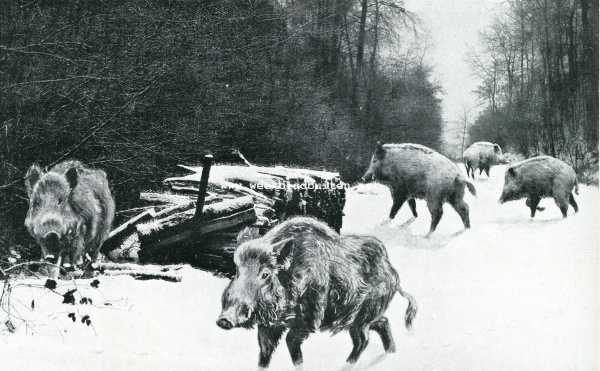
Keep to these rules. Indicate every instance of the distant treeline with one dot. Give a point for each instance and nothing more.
(135, 87)
(539, 77)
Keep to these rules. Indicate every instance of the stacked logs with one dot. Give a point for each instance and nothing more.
(196, 220)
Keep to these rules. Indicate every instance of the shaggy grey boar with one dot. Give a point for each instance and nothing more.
(482, 156)
(71, 210)
(415, 171)
(304, 277)
(541, 177)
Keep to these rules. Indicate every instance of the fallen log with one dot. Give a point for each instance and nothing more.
(142, 272)
(173, 233)
(117, 236)
(171, 198)
(179, 226)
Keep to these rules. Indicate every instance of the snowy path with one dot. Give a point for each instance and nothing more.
(510, 294)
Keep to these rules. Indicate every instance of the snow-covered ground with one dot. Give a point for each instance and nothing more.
(510, 294)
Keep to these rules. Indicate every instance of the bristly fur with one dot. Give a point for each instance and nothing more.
(413, 171)
(541, 177)
(320, 281)
(75, 203)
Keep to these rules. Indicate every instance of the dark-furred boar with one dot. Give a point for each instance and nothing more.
(415, 171)
(304, 277)
(482, 156)
(71, 210)
(540, 177)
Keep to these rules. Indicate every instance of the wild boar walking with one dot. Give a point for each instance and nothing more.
(482, 156)
(304, 277)
(415, 171)
(541, 177)
(71, 210)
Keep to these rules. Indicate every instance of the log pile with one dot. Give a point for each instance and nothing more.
(197, 218)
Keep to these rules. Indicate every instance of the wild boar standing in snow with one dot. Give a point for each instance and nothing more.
(482, 156)
(303, 276)
(71, 210)
(540, 177)
(415, 171)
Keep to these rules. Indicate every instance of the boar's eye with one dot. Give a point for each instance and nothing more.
(265, 274)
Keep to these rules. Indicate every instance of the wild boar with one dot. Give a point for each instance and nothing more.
(482, 156)
(540, 177)
(303, 276)
(415, 171)
(71, 210)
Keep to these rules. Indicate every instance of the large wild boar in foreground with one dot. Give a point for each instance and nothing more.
(541, 177)
(71, 210)
(482, 156)
(415, 171)
(305, 277)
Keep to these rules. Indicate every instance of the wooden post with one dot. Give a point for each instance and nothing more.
(206, 163)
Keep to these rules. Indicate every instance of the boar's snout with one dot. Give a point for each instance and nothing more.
(224, 323)
(236, 315)
(368, 177)
(51, 242)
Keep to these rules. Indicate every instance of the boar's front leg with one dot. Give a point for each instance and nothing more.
(398, 198)
(532, 202)
(268, 338)
(360, 339)
(294, 340)
(382, 327)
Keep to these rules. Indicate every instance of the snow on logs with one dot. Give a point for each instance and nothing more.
(174, 226)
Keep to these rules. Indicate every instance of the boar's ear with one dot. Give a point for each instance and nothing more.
(247, 234)
(497, 148)
(283, 251)
(379, 150)
(72, 177)
(33, 175)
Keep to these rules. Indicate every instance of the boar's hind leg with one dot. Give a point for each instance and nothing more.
(294, 340)
(436, 210)
(462, 209)
(573, 203)
(413, 207)
(360, 339)
(563, 204)
(268, 338)
(382, 327)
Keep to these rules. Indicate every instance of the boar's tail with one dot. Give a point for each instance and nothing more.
(411, 310)
(459, 180)
(471, 188)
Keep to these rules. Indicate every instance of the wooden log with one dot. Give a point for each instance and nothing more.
(189, 230)
(128, 250)
(142, 272)
(168, 198)
(117, 235)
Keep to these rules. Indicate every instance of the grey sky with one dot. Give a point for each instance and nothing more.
(454, 27)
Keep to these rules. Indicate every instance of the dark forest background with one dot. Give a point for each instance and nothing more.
(539, 81)
(136, 87)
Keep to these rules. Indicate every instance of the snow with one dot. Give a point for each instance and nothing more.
(511, 293)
